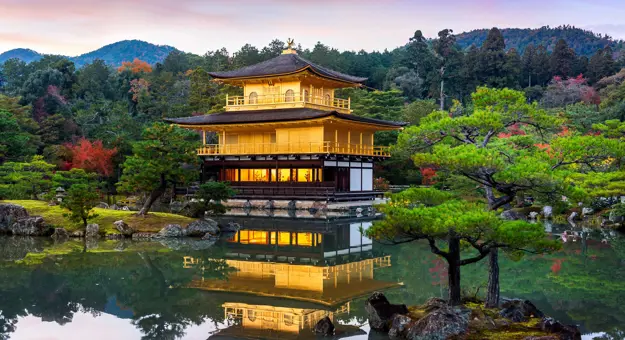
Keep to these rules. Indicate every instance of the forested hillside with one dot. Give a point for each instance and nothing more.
(113, 54)
(65, 114)
(21, 54)
(582, 41)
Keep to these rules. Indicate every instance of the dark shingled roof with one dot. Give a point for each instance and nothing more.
(277, 115)
(284, 64)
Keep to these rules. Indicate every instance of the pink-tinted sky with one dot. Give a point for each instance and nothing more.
(73, 27)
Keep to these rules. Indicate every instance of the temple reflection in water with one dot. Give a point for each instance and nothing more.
(294, 273)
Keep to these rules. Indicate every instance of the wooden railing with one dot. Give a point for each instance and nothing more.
(270, 101)
(294, 148)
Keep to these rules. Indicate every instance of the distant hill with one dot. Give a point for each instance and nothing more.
(125, 50)
(113, 54)
(20, 53)
(582, 41)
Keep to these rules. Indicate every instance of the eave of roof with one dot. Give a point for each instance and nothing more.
(278, 115)
(285, 64)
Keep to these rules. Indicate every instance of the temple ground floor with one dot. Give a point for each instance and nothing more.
(293, 178)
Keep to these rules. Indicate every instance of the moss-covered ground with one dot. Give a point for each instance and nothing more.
(53, 215)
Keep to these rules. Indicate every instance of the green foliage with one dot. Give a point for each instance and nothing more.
(210, 199)
(80, 200)
(24, 180)
(15, 144)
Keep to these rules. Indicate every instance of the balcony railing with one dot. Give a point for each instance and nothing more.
(293, 148)
(269, 101)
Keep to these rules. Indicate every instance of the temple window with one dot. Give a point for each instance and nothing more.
(289, 96)
(253, 98)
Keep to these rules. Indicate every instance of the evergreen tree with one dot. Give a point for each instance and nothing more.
(514, 68)
(540, 65)
(492, 60)
(562, 60)
(529, 72)
(601, 65)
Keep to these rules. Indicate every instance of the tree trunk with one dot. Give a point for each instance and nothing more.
(442, 95)
(453, 270)
(492, 295)
(154, 195)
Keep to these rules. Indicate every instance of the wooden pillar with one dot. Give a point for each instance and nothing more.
(360, 145)
(336, 139)
(349, 140)
(203, 137)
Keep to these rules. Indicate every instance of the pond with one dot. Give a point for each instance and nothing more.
(275, 278)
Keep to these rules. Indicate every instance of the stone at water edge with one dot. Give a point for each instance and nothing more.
(572, 217)
(519, 310)
(171, 230)
(547, 211)
(533, 215)
(380, 311)
(10, 213)
(92, 230)
(441, 322)
(30, 226)
(324, 327)
(77, 233)
(60, 233)
(123, 228)
(400, 325)
(143, 236)
(510, 215)
(587, 211)
(230, 227)
(201, 227)
(565, 332)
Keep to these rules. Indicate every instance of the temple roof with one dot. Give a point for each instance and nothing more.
(277, 115)
(282, 65)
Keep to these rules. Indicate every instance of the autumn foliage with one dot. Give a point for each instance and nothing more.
(92, 156)
(136, 66)
(428, 176)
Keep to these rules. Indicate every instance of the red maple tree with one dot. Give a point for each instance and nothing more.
(92, 156)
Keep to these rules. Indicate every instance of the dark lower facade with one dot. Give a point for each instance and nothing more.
(291, 177)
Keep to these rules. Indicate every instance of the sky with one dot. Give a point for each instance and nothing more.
(73, 27)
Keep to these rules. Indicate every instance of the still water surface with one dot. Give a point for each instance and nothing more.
(274, 279)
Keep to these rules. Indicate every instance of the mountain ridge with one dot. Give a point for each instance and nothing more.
(113, 54)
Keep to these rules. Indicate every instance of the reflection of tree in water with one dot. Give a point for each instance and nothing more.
(148, 283)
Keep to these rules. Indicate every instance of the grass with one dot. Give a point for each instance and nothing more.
(53, 215)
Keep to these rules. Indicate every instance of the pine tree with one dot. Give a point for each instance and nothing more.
(562, 60)
(513, 68)
(492, 60)
(540, 65)
(527, 61)
(601, 65)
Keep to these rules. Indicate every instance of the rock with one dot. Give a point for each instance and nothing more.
(230, 227)
(180, 243)
(519, 310)
(441, 323)
(125, 208)
(573, 216)
(201, 227)
(60, 233)
(380, 311)
(400, 324)
(30, 226)
(548, 337)
(9, 214)
(587, 211)
(114, 236)
(533, 215)
(547, 211)
(123, 228)
(324, 327)
(171, 230)
(615, 218)
(77, 233)
(91, 243)
(92, 230)
(143, 236)
(565, 332)
(510, 215)
(102, 205)
(434, 304)
(209, 236)
(114, 207)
